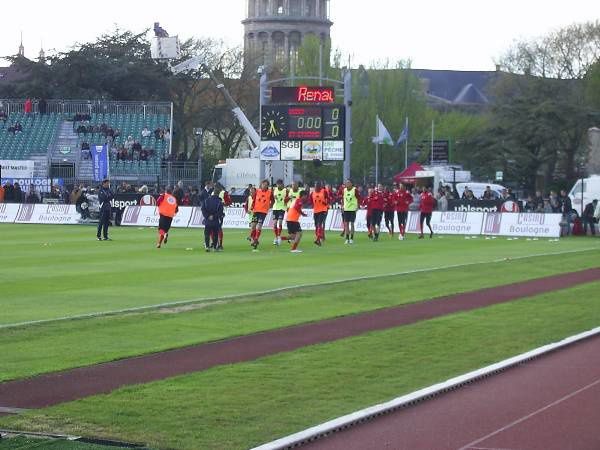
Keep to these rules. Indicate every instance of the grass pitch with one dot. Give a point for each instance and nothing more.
(57, 274)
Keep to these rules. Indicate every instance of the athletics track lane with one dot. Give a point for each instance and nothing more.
(550, 403)
(55, 388)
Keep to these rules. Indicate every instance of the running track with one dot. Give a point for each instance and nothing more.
(55, 388)
(551, 403)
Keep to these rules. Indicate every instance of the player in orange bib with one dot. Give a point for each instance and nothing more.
(319, 199)
(262, 202)
(293, 222)
(167, 208)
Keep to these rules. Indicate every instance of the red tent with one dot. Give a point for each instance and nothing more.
(408, 175)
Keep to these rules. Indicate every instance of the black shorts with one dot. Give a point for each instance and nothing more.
(320, 218)
(389, 216)
(278, 215)
(349, 216)
(259, 217)
(376, 216)
(426, 216)
(402, 217)
(293, 227)
(164, 223)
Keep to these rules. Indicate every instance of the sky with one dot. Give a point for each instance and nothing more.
(434, 34)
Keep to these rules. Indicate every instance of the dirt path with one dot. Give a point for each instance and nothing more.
(550, 403)
(55, 388)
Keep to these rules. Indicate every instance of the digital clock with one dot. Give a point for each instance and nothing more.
(299, 123)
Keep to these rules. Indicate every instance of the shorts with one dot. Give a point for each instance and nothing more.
(294, 227)
(402, 217)
(389, 216)
(376, 216)
(259, 217)
(164, 223)
(320, 218)
(251, 218)
(278, 215)
(349, 216)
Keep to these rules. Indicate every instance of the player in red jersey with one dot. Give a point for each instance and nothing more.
(376, 203)
(293, 222)
(426, 206)
(389, 205)
(365, 205)
(403, 199)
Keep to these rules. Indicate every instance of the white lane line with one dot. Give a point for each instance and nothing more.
(208, 301)
(529, 416)
(409, 399)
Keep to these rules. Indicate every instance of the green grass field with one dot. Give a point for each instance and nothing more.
(97, 301)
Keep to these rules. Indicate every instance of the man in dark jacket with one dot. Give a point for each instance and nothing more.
(206, 192)
(18, 194)
(588, 217)
(567, 207)
(212, 210)
(105, 195)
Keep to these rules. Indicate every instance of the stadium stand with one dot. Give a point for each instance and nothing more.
(37, 135)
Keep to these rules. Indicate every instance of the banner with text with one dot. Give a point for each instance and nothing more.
(524, 225)
(48, 214)
(16, 169)
(8, 212)
(147, 216)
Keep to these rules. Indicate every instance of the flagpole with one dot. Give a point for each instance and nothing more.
(406, 147)
(432, 133)
(377, 151)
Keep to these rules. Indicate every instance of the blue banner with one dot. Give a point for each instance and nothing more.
(100, 162)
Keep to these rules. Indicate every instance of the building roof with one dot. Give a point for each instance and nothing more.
(456, 87)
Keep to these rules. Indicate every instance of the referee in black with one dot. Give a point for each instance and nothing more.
(105, 195)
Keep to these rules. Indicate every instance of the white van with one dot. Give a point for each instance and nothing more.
(479, 188)
(590, 192)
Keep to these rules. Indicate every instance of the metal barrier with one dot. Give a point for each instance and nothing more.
(71, 107)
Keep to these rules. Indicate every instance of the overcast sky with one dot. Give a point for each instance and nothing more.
(435, 34)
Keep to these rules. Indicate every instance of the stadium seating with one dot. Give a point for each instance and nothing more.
(132, 125)
(39, 132)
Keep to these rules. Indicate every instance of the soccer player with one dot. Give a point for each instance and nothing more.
(226, 199)
(388, 209)
(293, 222)
(376, 203)
(403, 199)
(293, 194)
(320, 202)
(249, 208)
(426, 206)
(280, 195)
(167, 209)
(351, 200)
(366, 204)
(262, 202)
(212, 210)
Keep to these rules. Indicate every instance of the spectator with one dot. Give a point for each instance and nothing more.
(529, 205)
(32, 196)
(146, 132)
(18, 196)
(538, 201)
(167, 135)
(3, 116)
(128, 144)
(42, 106)
(588, 217)
(206, 192)
(1, 194)
(487, 194)
(178, 192)
(8, 192)
(28, 106)
(195, 197)
(468, 195)
(555, 202)
(442, 201)
(18, 127)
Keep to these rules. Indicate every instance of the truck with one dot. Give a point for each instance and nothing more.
(238, 173)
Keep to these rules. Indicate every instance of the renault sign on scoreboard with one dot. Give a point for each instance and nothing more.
(309, 127)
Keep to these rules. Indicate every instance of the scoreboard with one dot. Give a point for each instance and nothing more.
(303, 131)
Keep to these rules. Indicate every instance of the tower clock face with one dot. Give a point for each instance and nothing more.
(274, 124)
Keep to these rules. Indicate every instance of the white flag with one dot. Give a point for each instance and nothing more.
(383, 135)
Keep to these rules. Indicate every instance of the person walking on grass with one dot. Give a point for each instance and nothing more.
(212, 210)
(167, 209)
(105, 196)
(293, 222)
(351, 200)
(426, 206)
(262, 202)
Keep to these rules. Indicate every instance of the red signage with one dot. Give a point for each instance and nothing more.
(303, 94)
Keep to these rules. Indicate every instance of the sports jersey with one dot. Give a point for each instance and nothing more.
(403, 200)
(279, 196)
(320, 201)
(351, 199)
(262, 201)
(167, 205)
(294, 213)
(427, 202)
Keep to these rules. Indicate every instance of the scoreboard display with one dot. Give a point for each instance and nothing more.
(303, 132)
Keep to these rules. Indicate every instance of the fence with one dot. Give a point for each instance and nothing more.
(71, 107)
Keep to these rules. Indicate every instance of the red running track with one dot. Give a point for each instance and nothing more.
(551, 403)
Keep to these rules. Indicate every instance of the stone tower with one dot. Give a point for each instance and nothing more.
(275, 29)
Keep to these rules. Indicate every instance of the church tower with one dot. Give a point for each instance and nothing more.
(275, 29)
(21, 47)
